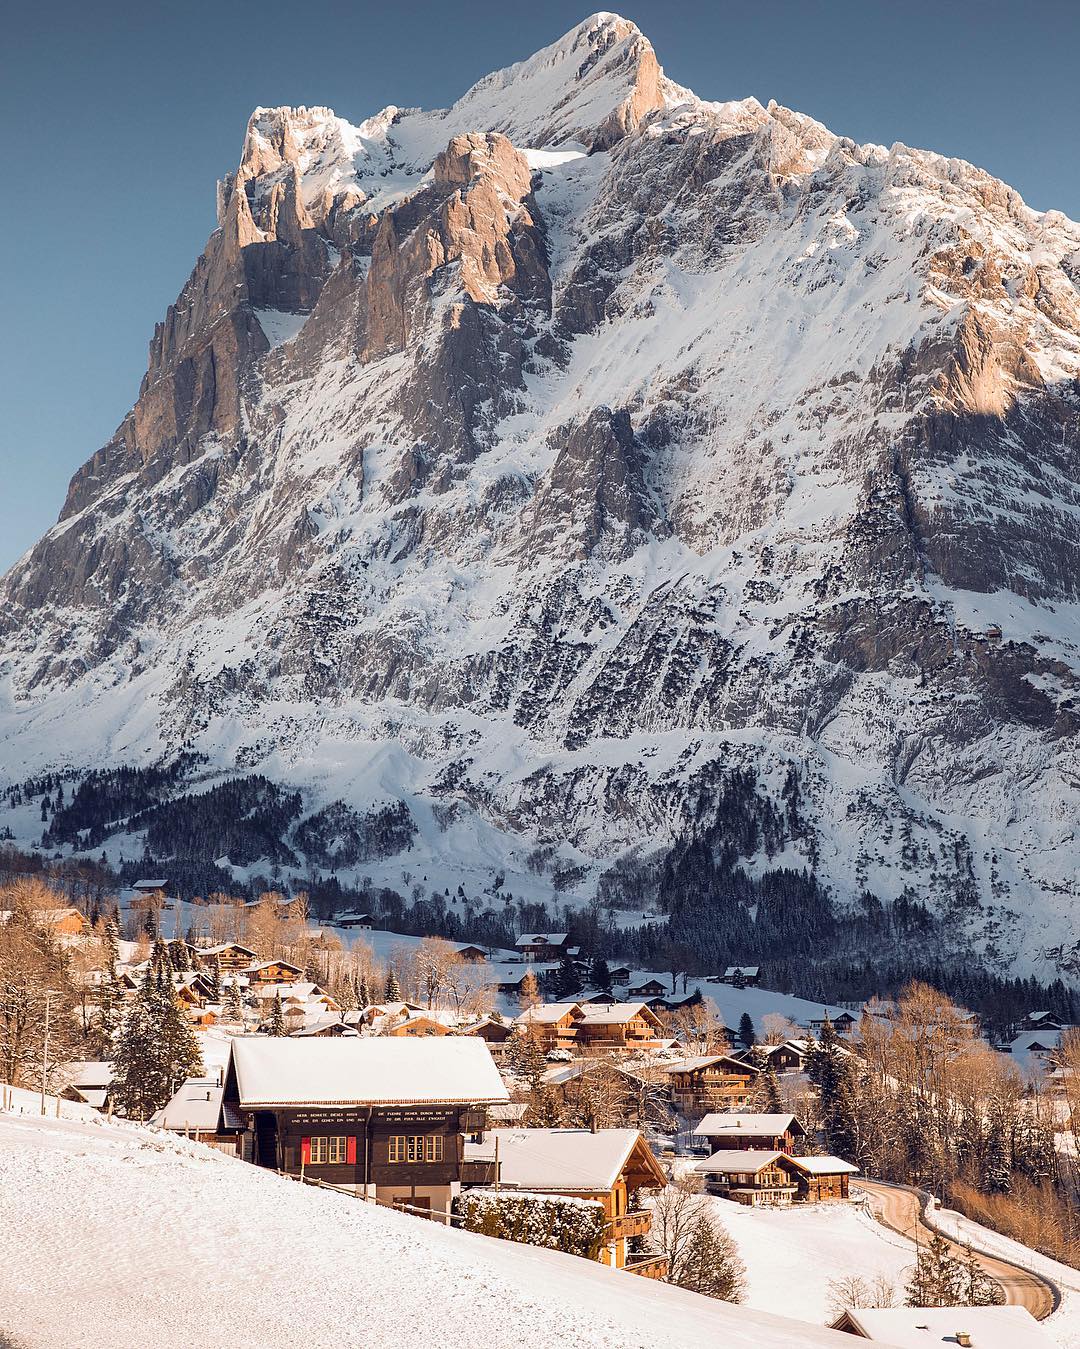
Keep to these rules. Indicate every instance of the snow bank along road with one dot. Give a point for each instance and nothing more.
(113, 1236)
(901, 1208)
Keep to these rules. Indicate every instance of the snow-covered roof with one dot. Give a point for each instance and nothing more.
(556, 1159)
(747, 971)
(738, 1159)
(196, 1106)
(154, 883)
(705, 1061)
(746, 1123)
(354, 1071)
(825, 1166)
(542, 939)
(90, 1073)
(926, 1327)
(267, 964)
(545, 1013)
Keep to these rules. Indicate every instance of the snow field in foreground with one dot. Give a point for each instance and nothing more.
(114, 1236)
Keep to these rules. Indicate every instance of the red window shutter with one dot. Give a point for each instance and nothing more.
(305, 1151)
(350, 1151)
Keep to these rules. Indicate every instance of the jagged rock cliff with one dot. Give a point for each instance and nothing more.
(545, 461)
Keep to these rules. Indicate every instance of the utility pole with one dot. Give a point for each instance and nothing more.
(50, 993)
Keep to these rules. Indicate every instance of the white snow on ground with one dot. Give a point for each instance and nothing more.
(116, 1236)
(792, 1253)
(1064, 1324)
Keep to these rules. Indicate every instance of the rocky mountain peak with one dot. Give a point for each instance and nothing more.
(569, 464)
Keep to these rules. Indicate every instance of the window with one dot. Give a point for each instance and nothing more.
(329, 1151)
(416, 1148)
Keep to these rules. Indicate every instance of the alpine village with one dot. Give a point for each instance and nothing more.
(540, 763)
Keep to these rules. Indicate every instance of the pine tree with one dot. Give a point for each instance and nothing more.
(566, 978)
(234, 1002)
(111, 998)
(180, 957)
(980, 1289)
(215, 980)
(363, 992)
(771, 1090)
(601, 974)
(528, 992)
(155, 1051)
(277, 1017)
(747, 1034)
(393, 987)
(939, 1279)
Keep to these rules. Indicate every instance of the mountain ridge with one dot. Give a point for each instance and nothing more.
(554, 483)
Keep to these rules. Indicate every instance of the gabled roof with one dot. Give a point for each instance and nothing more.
(154, 883)
(824, 1166)
(566, 1160)
(542, 939)
(751, 971)
(448, 1069)
(747, 1123)
(224, 946)
(707, 1060)
(266, 964)
(729, 1160)
(545, 1013)
(929, 1327)
(196, 1105)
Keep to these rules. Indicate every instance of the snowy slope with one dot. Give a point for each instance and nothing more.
(116, 1236)
(553, 493)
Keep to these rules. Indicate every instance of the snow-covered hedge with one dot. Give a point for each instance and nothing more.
(558, 1222)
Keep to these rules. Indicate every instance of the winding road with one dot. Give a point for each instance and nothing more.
(900, 1208)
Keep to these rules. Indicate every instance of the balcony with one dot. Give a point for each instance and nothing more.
(636, 1223)
(478, 1172)
(648, 1266)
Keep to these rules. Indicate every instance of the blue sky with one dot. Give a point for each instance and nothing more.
(118, 118)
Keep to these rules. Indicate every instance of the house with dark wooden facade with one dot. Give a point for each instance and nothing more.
(232, 958)
(265, 973)
(380, 1116)
(766, 1177)
(710, 1082)
(618, 1026)
(776, 1133)
(198, 1110)
(606, 1165)
(543, 945)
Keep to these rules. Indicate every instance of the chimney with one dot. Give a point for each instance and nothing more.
(963, 1338)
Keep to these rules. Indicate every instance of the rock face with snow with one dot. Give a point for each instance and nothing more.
(545, 461)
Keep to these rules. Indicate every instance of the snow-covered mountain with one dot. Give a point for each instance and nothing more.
(563, 460)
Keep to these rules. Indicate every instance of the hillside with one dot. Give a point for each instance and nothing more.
(598, 490)
(114, 1236)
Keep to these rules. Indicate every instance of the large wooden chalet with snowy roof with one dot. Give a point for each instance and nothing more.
(384, 1117)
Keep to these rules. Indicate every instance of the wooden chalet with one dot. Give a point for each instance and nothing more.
(605, 1165)
(232, 958)
(651, 988)
(382, 1117)
(418, 1024)
(1042, 1021)
(711, 1082)
(362, 921)
(767, 1177)
(620, 1026)
(268, 972)
(91, 1081)
(787, 1057)
(763, 1132)
(844, 1022)
(742, 976)
(494, 1033)
(543, 945)
(473, 955)
(61, 922)
(552, 1025)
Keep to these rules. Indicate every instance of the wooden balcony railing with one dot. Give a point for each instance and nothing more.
(636, 1223)
(648, 1266)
